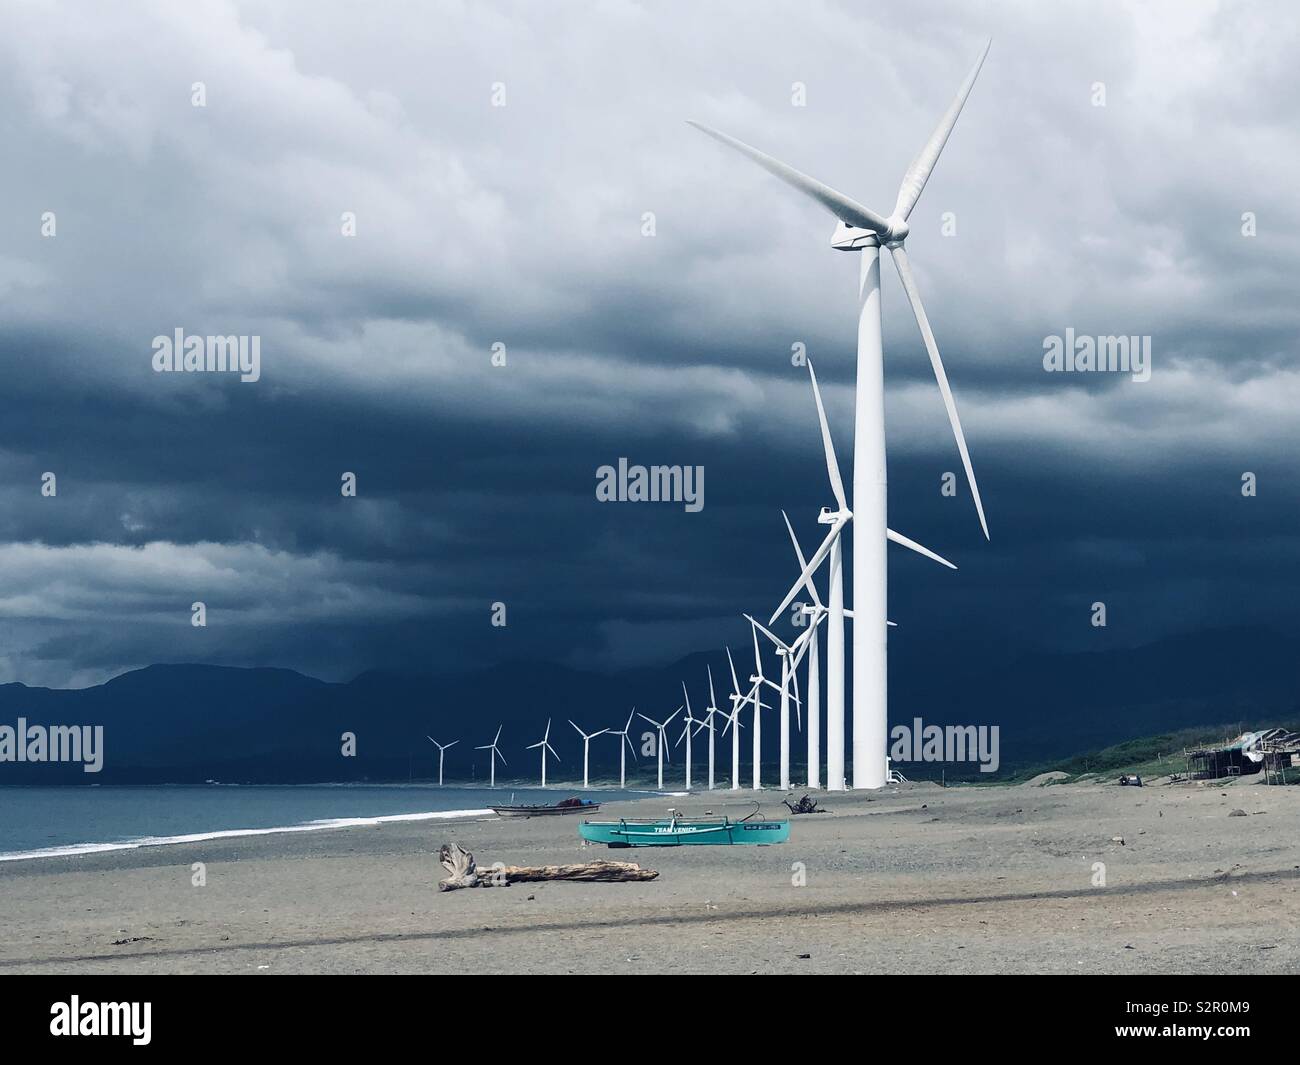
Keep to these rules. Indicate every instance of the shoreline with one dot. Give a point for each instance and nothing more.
(913, 879)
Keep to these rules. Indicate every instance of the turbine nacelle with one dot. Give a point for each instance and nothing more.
(849, 237)
(834, 517)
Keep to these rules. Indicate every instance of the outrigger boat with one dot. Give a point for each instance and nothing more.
(564, 806)
(683, 831)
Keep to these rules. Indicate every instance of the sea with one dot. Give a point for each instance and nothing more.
(41, 822)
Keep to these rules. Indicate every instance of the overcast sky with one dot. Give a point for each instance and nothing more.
(523, 225)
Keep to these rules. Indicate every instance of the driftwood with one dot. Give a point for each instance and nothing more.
(464, 873)
(806, 805)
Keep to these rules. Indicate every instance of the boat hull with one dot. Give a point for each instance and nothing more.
(684, 833)
(544, 811)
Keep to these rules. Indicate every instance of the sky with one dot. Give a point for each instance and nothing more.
(386, 196)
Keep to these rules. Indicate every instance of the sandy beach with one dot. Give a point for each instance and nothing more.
(916, 879)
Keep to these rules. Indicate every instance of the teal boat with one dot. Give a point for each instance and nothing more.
(680, 831)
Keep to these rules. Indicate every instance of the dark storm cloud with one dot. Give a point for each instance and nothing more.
(522, 225)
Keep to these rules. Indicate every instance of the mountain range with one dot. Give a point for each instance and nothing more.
(194, 723)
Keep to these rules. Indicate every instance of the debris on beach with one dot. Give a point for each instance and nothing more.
(806, 805)
(464, 872)
(1236, 813)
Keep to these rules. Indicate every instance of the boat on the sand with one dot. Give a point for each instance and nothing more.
(564, 806)
(682, 831)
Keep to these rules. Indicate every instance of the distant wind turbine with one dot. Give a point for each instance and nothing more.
(586, 748)
(492, 758)
(625, 744)
(544, 745)
(662, 742)
(442, 749)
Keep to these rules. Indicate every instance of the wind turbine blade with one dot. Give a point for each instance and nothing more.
(713, 699)
(500, 755)
(532, 746)
(811, 568)
(832, 463)
(810, 584)
(923, 165)
(794, 679)
(453, 743)
(899, 538)
(650, 719)
(914, 298)
(687, 697)
(600, 733)
(735, 683)
(843, 208)
(499, 728)
(579, 731)
(766, 632)
(553, 754)
(629, 721)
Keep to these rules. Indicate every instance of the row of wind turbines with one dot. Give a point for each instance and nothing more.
(858, 229)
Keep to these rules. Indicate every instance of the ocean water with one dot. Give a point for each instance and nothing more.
(43, 822)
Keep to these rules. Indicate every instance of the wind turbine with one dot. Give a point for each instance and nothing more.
(662, 741)
(756, 695)
(791, 656)
(708, 724)
(733, 723)
(586, 748)
(686, 735)
(492, 758)
(544, 744)
(442, 749)
(860, 229)
(816, 614)
(624, 746)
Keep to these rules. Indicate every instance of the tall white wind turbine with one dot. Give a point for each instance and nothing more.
(756, 694)
(815, 613)
(545, 745)
(442, 749)
(733, 723)
(586, 748)
(861, 229)
(710, 712)
(492, 758)
(662, 742)
(625, 745)
(691, 726)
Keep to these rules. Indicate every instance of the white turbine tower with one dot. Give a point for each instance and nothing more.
(625, 745)
(837, 519)
(733, 723)
(756, 696)
(492, 758)
(688, 733)
(442, 749)
(586, 748)
(662, 742)
(861, 229)
(545, 745)
(815, 613)
(712, 710)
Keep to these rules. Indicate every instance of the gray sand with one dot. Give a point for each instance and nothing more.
(916, 879)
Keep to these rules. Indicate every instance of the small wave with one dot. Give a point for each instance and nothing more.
(231, 833)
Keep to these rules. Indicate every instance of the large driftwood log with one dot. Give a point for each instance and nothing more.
(464, 873)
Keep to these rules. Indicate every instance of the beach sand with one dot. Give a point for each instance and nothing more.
(913, 879)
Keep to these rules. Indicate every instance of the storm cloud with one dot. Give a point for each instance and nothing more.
(522, 228)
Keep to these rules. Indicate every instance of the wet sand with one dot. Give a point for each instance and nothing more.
(915, 879)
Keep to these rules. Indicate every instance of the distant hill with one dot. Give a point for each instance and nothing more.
(191, 723)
